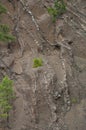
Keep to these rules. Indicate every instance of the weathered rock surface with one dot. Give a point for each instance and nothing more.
(76, 117)
(53, 96)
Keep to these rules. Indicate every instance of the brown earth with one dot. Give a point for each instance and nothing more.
(51, 97)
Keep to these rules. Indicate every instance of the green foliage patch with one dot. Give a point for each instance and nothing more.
(37, 62)
(4, 28)
(5, 35)
(58, 9)
(2, 9)
(6, 96)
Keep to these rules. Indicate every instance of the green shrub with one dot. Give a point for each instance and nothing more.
(37, 62)
(53, 13)
(6, 96)
(5, 36)
(4, 28)
(4, 33)
(58, 9)
(2, 9)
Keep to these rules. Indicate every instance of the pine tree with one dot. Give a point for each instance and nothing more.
(6, 96)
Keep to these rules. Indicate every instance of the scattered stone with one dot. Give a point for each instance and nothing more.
(57, 95)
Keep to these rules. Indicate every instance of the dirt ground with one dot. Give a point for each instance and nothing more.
(51, 97)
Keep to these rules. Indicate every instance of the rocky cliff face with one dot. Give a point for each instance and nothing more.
(51, 97)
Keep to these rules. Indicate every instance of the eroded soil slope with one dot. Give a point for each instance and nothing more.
(51, 97)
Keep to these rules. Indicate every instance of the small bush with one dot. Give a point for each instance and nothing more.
(6, 96)
(37, 62)
(53, 13)
(6, 37)
(4, 28)
(58, 9)
(4, 33)
(2, 9)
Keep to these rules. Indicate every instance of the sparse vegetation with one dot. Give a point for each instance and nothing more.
(37, 62)
(74, 100)
(6, 37)
(6, 96)
(4, 29)
(58, 9)
(2, 9)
